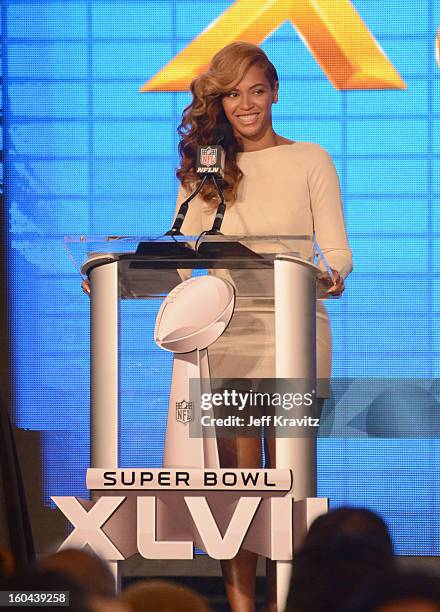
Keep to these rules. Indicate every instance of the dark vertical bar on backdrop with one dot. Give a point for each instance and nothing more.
(15, 529)
(4, 324)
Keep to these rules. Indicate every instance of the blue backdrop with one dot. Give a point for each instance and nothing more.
(88, 154)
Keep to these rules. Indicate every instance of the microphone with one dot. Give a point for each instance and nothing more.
(210, 163)
(223, 134)
(211, 158)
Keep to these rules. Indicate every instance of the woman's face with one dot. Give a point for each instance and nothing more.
(248, 108)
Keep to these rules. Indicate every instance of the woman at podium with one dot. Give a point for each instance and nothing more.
(272, 186)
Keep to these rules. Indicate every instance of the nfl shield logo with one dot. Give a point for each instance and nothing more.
(184, 412)
(208, 156)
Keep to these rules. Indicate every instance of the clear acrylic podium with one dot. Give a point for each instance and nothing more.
(278, 269)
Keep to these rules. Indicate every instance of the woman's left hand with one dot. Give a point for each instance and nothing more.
(85, 286)
(333, 285)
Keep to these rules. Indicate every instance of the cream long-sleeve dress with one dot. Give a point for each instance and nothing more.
(290, 189)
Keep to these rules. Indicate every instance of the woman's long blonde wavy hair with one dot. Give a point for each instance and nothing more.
(205, 113)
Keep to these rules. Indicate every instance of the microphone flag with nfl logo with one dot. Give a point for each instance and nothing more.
(210, 160)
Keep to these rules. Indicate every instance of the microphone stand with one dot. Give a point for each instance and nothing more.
(180, 217)
(220, 213)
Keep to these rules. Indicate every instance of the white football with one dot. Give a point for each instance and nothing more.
(194, 314)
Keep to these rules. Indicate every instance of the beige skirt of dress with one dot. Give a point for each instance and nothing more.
(247, 347)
